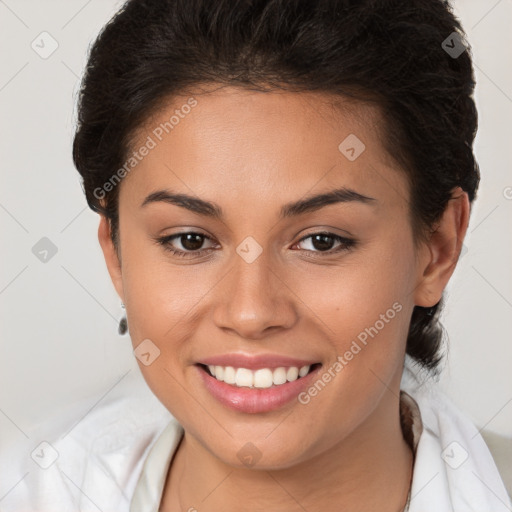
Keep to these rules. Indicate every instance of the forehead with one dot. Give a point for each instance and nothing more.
(234, 141)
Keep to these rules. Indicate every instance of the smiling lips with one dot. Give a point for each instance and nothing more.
(258, 371)
(255, 384)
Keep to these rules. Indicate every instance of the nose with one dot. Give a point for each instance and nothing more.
(255, 299)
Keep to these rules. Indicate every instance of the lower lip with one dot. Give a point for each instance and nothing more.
(254, 400)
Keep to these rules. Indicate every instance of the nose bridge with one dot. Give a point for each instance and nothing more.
(254, 299)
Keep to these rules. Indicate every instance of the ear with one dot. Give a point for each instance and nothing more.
(111, 257)
(441, 252)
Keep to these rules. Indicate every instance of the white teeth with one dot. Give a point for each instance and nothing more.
(262, 378)
(292, 374)
(303, 371)
(219, 372)
(279, 376)
(229, 375)
(244, 377)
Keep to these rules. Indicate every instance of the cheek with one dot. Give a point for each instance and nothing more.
(362, 311)
(160, 299)
(158, 292)
(352, 296)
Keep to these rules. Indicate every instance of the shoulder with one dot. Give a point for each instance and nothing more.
(86, 457)
(453, 470)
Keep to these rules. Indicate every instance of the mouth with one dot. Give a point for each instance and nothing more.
(257, 390)
(262, 378)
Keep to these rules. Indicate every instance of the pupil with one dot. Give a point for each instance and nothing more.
(323, 244)
(189, 242)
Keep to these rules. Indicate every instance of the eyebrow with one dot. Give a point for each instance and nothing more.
(213, 210)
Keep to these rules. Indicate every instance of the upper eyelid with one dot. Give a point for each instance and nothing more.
(174, 236)
(338, 238)
(305, 237)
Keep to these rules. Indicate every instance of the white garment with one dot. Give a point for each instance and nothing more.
(115, 457)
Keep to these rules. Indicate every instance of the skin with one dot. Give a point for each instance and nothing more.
(251, 153)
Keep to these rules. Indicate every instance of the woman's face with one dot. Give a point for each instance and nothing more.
(256, 288)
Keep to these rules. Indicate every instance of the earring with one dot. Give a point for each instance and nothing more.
(123, 323)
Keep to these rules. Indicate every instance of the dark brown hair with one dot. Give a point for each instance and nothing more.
(407, 56)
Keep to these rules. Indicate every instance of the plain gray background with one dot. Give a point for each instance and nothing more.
(59, 318)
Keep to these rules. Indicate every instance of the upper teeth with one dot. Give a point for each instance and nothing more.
(263, 378)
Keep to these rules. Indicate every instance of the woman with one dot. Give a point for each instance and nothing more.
(284, 188)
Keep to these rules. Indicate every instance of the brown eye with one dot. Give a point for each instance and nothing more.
(189, 244)
(191, 241)
(324, 242)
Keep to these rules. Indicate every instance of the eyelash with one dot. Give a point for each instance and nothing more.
(345, 245)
